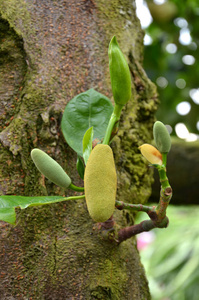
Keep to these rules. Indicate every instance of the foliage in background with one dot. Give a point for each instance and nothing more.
(171, 260)
(171, 59)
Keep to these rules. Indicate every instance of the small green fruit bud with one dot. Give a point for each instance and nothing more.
(50, 168)
(151, 154)
(100, 183)
(120, 74)
(162, 137)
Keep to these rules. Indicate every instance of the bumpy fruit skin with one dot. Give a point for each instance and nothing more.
(100, 183)
(120, 74)
(162, 137)
(50, 168)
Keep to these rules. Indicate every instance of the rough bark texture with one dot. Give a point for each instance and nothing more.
(49, 52)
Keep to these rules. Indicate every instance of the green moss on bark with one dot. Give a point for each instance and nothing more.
(63, 261)
(57, 250)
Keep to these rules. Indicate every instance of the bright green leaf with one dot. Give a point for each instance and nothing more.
(88, 109)
(87, 144)
(9, 203)
(8, 215)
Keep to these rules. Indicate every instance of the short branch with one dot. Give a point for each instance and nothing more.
(134, 207)
(130, 231)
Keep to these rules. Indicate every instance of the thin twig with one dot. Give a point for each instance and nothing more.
(157, 215)
(134, 207)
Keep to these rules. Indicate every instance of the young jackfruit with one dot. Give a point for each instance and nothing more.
(100, 183)
(120, 74)
(161, 137)
(50, 168)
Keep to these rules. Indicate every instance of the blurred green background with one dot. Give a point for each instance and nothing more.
(171, 55)
(171, 256)
(171, 61)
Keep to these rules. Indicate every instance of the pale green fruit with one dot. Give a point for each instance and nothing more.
(100, 183)
(50, 168)
(162, 137)
(120, 74)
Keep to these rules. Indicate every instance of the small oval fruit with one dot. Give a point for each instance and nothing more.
(151, 154)
(161, 137)
(100, 183)
(119, 73)
(50, 168)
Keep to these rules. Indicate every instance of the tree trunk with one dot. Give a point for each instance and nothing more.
(51, 51)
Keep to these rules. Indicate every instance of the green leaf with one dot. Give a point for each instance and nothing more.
(87, 144)
(88, 109)
(9, 203)
(8, 215)
(80, 167)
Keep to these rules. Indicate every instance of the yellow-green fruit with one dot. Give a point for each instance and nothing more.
(50, 168)
(151, 154)
(100, 183)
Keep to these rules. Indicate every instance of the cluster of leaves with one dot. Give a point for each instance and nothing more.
(165, 29)
(171, 260)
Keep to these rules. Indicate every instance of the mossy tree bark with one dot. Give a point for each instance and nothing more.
(51, 51)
